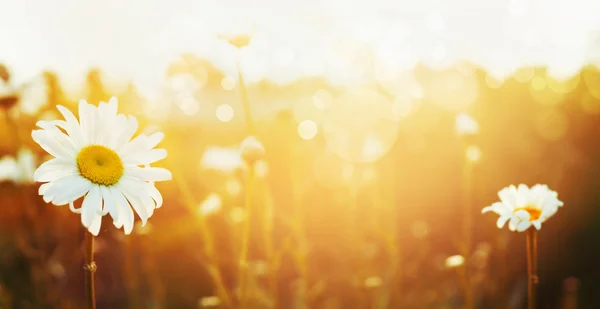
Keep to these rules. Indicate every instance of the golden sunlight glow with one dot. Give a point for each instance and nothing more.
(419, 229)
(562, 86)
(493, 82)
(237, 215)
(524, 75)
(224, 112)
(322, 99)
(307, 129)
(552, 124)
(373, 282)
(538, 83)
(452, 90)
(360, 125)
(590, 104)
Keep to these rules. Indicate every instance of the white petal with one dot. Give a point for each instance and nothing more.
(125, 212)
(53, 143)
(507, 197)
(72, 126)
(523, 225)
(73, 209)
(94, 228)
(513, 223)
(141, 143)
(502, 221)
(145, 157)
(154, 193)
(59, 186)
(499, 208)
(86, 121)
(537, 224)
(76, 189)
(522, 215)
(44, 188)
(110, 206)
(130, 126)
(133, 199)
(91, 207)
(55, 169)
(148, 173)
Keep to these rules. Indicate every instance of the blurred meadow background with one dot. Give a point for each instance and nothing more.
(388, 126)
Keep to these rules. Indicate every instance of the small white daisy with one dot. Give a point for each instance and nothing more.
(523, 207)
(97, 159)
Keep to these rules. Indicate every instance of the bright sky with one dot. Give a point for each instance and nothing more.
(343, 40)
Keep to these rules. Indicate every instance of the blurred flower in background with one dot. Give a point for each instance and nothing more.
(222, 159)
(20, 169)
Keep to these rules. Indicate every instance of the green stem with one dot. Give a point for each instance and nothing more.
(90, 269)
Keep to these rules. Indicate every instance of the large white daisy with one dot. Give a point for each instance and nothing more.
(523, 207)
(97, 159)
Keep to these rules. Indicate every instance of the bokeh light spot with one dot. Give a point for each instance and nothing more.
(562, 86)
(524, 75)
(224, 112)
(454, 261)
(307, 129)
(538, 83)
(322, 98)
(228, 83)
(473, 153)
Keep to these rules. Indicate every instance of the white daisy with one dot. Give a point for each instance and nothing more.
(525, 206)
(96, 158)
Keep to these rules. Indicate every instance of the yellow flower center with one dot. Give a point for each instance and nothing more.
(534, 213)
(100, 165)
